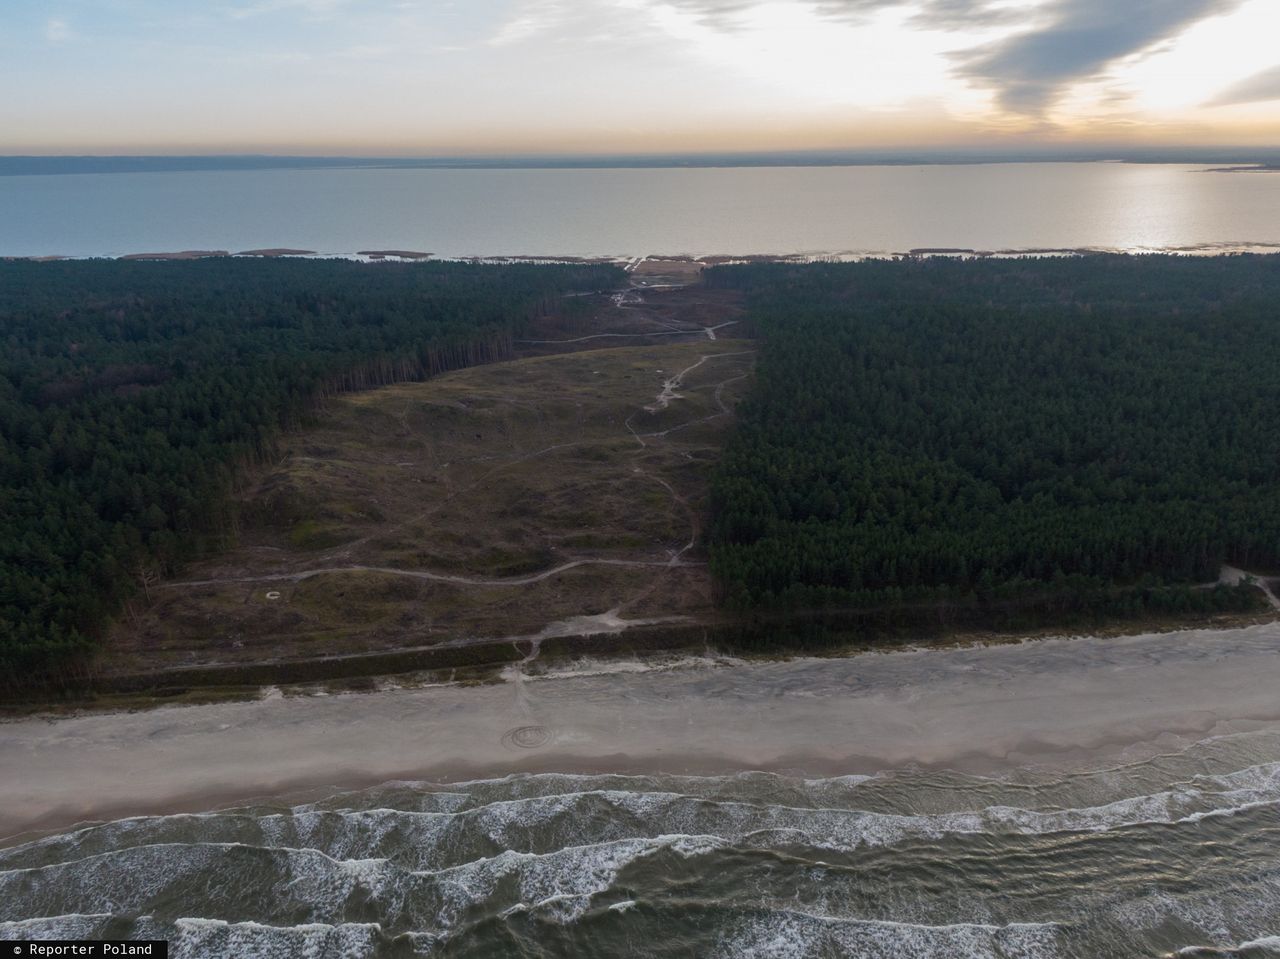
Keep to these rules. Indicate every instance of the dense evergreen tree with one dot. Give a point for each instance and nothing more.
(939, 430)
(131, 393)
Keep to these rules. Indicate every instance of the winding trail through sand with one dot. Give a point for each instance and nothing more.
(670, 387)
(670, 391)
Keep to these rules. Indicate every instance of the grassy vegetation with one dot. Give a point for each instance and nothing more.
(490, 473)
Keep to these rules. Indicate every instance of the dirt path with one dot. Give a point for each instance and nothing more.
(669, 392)
(434, 577)
(670, 387)
(632, 300)
(708, 331)
(602, 336)
(1230, 576)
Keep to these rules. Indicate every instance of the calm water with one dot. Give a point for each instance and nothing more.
(642, 211)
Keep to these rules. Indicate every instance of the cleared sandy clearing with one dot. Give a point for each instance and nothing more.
(489, 502)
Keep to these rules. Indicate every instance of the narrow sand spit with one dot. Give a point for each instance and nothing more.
(1074, 702)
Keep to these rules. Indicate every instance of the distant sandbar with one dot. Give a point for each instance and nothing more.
(398, 254)
(180, 255)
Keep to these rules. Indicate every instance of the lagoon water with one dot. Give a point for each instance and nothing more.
(630, 212)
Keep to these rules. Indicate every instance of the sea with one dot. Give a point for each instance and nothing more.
(817, 211)
(1171, 857)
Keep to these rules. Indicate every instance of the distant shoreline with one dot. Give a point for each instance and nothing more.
(1247, 168)
(1226, 158)
(706, 259)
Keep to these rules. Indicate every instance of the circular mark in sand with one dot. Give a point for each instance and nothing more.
(527, 737)
(273, 594)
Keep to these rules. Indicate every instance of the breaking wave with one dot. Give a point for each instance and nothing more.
(907, 863)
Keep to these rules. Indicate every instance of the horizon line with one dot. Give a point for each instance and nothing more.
(48, 163)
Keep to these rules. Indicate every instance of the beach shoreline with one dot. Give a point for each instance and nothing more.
(1075, 703)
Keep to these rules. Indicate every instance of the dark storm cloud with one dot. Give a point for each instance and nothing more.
(1079, 40)
(1255, 89)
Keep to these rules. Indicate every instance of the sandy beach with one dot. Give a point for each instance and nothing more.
(1082, 701)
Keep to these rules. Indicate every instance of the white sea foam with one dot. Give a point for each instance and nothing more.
(469, 855)
(1266, 946)
(440, 839)
(70, 926)
(209, 938)
(1249, 905)
(1267, 942)
(788, 934)
(593, 666)
(565, 879)
(559, 882)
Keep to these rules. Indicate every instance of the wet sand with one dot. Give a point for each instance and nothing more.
(1083, 702)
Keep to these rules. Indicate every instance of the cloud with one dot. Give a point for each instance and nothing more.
(57, 30)
(716, 14)
(929, 15)
(531, 19)
(1255, 89)
(1079, 40)
(311, 8)
(963, 15)
(728, 14)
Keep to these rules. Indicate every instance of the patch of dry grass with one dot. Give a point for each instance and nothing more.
(490, 474)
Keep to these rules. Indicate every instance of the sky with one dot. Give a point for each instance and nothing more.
(524, 77)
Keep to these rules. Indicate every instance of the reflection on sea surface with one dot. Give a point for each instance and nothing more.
(609, 212)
